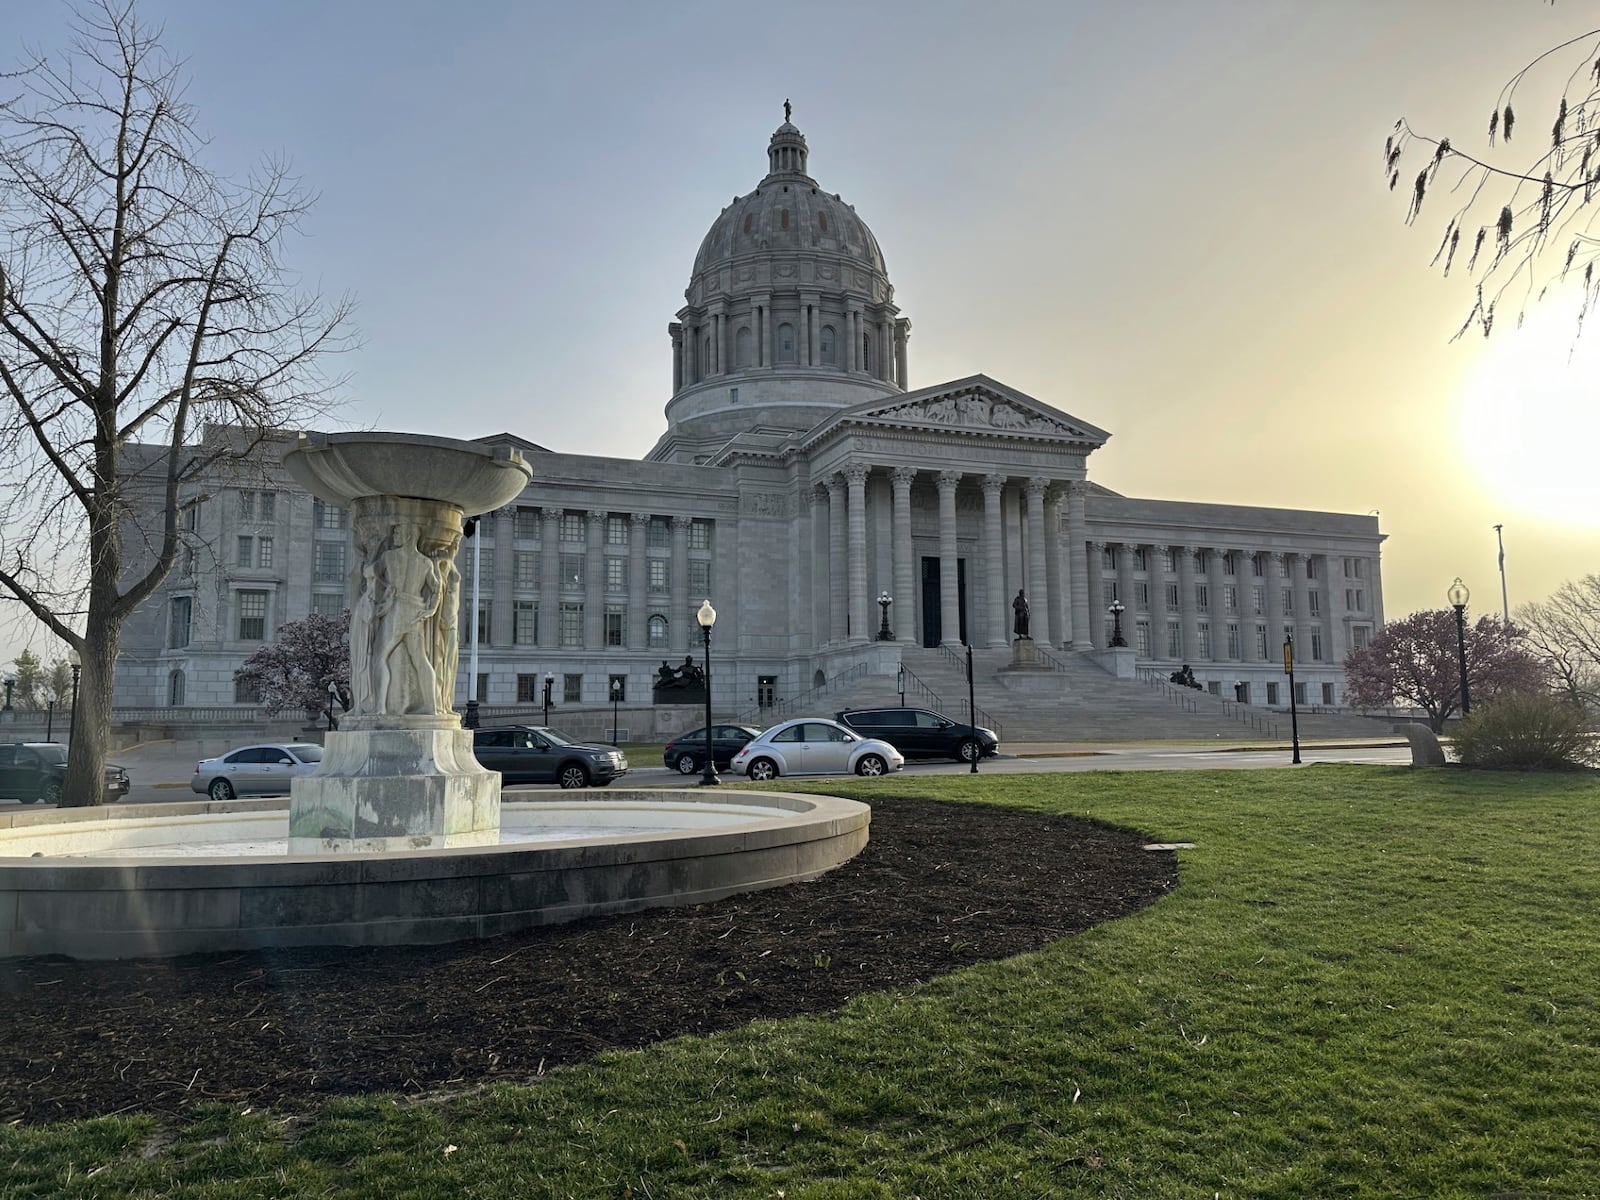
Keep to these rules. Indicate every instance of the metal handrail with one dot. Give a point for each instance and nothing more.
(934, 701)
(1186, 698)
(784, 708)
(975, 715)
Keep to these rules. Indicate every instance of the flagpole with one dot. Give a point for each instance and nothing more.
(1505, 606)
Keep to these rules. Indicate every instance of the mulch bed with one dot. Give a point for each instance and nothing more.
(938, 887)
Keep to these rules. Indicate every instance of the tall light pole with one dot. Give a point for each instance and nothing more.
(885, 634)
(549, 682)
(77, 667)
(616, 695)
(972, 708)
(11, 682)
(1294, 715)
(707, 616)
(899, 676)
(1116, 609)
(469, 529)
(1505, 604)
(1459, 595)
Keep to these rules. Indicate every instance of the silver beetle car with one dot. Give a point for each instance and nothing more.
(812, 746)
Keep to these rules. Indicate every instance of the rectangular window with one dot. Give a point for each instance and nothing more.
(572, 688)
(571, 527)
(328, 516)
(660, 575)
(1205, 639)
(247, 507)
(1258, 600)
(529, 689)
(485, 565)
(485, 612)
(1108, 558)
(1299, 693)
(525, 525)
(1314, 603)
(1230, 598)
(182, 616)
(525, 623)
(328, 562)
(1311, 567)
(1141, 596)
(616, 574)
(616, 623)
(1202, 597)
(246, 692)
(1272, 693)
(1352, 568)
(527, 568)
(1141, 639)
(247, 553)
(1355, 599)
(571, 624)
(1202, 562)
(1140, 561)
(252, 616)
(1174, 641)
(1234, 650)
(699, 578)
(616, 531)
(485, 622)
(700, 535)
(191, 516)
(660, 533)
(1360, 635)
(1283, 565)
(617, 689)
(1288, 602)
(267, 506)
(328, 604)
(1230, 564)
(1316, 645)
(1327, 693)
(264, 551)
(1174, 599)
(572, 571)
(1169, 560)
(1108, 592)
(1257, 568)
(1261, 641)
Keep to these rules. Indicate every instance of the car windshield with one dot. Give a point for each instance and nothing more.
(51, 753)
(556, 737)
(308, 753)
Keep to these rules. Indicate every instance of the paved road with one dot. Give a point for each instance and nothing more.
(164, 777)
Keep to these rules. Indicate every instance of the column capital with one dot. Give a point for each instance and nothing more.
(552, 516)
(599, 514)
(992, 485)
(1099, 547)
(1036, 486)
(903, 477)
(639, 518)
(1076, 487)
(682, 523)
(835, 485)
(948, 481)
(855, 473)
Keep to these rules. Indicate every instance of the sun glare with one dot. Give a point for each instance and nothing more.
(1529, 421)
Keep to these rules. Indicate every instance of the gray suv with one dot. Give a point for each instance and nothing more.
(33, 771)
(922, 733)
(536, 754)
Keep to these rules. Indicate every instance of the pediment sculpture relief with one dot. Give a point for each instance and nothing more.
(978, 411)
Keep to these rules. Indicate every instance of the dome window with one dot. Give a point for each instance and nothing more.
(822, 222)
(827, 346)
(785, 218)
(743, 343)
(748, 217)
(786, 343)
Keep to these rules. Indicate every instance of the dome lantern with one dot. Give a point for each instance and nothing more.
(786, 153)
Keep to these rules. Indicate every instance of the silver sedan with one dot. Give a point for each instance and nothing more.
(811, 746)
(255, 770)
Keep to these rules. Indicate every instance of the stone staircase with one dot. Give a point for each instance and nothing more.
(1074, 701)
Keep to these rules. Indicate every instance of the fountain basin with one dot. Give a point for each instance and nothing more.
(343, 467)
(118, 882)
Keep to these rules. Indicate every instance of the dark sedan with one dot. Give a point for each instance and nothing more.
(686, 753)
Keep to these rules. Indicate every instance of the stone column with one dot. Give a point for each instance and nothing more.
(1158, 602)
(994, 563)
(1275, 581)
(949, 597)
(821, 581)
(903, 332)
(905, 574)
(1332, 628)
(812, 307)
(714, 350)
(1186, 605)
(763, 310)
(1038, 598)
(1059, 624)
(681, 617)
(885, 353)
(838, 582)
(1303, 620)
(594, 579)
(1077, 567)
(861, 623)
(1130, 615)
(1219, 607)
(1099, 623)
(638, 578)
(675, 332)
(550, 579)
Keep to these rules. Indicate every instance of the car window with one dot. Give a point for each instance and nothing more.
(492, 739)
(251, 755)
(731, 731)
(26, 757)
(926, 720)
(794, 733)
(8, 755)
(308, 753)
(869, 718)
(556, 737)
(525, 739)
(694, 735)
(49, 753)
(816, 731)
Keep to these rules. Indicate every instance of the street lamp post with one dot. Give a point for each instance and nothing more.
(333, 698)
(707, 616)
(1294, 716)
(899, 676)
(972, 708)
(49, 720)
(885, 634)
(616, 695)
(549, 682)
(77, 668)
(1116, 609)
(1459, 595)
(11, 682)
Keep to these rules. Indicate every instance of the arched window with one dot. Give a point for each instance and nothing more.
(827, 346)
(175, 689)
(707, 367)
(866, 353)
(743, 342)
(786, 343)
(657, 632)
(819, 679)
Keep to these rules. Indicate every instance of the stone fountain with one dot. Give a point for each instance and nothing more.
(399, 774)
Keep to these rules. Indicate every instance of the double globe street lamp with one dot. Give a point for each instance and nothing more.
(1459, 595)
(707, 616)
(1116, 609)
(885, 634)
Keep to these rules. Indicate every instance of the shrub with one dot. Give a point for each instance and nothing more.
(1525, 733)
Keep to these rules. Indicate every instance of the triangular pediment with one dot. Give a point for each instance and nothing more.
(977, 405)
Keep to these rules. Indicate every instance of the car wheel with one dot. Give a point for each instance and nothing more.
(573, 775)
(50, 793)
(686, 764)
(871, 764)
(968, 751)
(763, 768)
(220, 789)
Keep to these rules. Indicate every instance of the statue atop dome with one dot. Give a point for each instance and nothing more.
(787, 110)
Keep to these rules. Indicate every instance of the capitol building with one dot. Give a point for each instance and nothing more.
(801, 480)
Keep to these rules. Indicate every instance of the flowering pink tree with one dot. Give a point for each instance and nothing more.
(1416, 662)
(295, 671)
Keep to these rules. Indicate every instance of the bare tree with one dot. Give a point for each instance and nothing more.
(1518, 226)
(1565, 631)
(142, 296)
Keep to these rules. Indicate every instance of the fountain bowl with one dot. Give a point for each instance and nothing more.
(118, 881)
(340, 468)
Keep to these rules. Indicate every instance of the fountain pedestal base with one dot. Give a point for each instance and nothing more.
(394, 789)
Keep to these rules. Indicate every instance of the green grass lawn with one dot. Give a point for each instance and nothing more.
(1371, 982)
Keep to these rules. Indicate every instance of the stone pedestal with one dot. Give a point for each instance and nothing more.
(1024, 655)
(394, 789)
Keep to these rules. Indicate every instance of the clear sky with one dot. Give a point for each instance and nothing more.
(1166, 218)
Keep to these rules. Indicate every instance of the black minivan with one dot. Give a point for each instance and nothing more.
(922, 733)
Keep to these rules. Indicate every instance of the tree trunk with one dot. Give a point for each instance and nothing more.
(91, 731)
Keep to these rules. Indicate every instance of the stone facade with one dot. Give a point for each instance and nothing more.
(799, 479)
